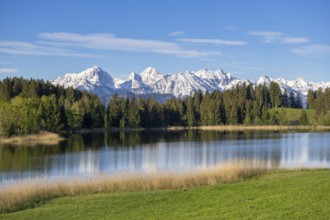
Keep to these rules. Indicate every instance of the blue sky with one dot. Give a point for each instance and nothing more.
(45, 39)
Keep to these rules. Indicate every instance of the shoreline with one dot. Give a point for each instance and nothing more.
(43, 138)
(49, 138)
(262, 127)
(212, 128)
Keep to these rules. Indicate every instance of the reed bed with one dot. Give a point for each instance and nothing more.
(44, 138)
(28, 194)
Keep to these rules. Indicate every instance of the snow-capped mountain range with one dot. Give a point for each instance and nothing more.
(152, 82)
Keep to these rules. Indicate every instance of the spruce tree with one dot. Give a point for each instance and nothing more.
(134, 119)
(248, 119)
(114, 110)
(124, 112)
(298, 101)
(292, 100)
(191, 114)
(143, 112)
(310, 99)
(205, 111)
(285, 100)
(198, 97)
(275, 94)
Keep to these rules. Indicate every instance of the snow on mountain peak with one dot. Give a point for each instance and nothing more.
(151, 81)
(134, 76)
(93, 69)
(181, 84)
(150, 76)
(264, 80)
(133, 84)
(217, 79)
(135, 81)
(302, 82)
(89, 79)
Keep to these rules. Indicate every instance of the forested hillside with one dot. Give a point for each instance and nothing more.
(29, 106)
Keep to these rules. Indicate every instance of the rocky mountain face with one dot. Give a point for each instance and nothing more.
(162, 87)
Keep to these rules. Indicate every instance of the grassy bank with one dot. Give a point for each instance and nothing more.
(28, 194)
(44, 138)
(277, 195)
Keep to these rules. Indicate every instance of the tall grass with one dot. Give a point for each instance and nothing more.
(29, 193)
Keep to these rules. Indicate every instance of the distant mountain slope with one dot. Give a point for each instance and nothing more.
(152, 82)
(93, 79)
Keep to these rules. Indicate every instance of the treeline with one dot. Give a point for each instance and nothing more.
(244, 104)
(29, 106)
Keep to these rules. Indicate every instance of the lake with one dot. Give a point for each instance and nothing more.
(157, 151)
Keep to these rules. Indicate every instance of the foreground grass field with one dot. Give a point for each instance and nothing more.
(276, 195)
(26, 194)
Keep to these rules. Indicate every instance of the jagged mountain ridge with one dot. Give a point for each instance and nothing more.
(93, 79)
(152, 82)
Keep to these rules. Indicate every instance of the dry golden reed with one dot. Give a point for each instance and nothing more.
(255, 127)
(23, 194)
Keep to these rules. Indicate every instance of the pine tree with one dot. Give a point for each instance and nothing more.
(205, 112)
(143, 112)
(124, 113)
(310, 99)
(191, 115)
(218, 110)
(155, 113)
(97, 111)
(320, 107)
(114, 111)
(232, 115)
(198, 97)
(298, 101)
(285, 100)
(275, 94)
(134, 119)
(248, 120)
(6, 90)
(292, 100)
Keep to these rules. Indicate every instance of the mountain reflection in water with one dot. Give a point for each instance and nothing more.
(155, 151)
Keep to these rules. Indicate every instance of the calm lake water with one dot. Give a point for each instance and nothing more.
(155, 151)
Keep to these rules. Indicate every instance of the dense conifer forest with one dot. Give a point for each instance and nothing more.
(30, 106)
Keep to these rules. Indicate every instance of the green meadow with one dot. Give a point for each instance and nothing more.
(298, 194)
